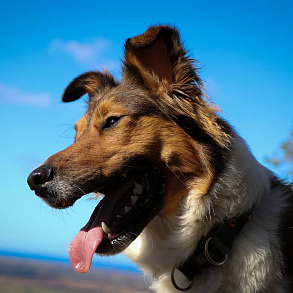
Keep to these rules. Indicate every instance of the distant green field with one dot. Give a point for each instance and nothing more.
(27, 276)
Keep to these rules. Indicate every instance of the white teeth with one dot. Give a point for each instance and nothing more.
(138, 188)
(95, 196)
(134, 199)
(127, 209)
(105, 228)
(118, 216)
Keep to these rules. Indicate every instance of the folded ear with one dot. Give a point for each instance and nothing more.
(90, 82)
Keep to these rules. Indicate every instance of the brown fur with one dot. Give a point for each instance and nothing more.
(173, 80)
(176, 87)
(159, 100)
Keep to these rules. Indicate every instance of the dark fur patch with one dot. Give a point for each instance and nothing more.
(286, 227)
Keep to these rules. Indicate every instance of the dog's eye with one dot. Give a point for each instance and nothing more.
(111, 121)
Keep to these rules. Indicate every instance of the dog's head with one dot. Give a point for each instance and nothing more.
(145, 143)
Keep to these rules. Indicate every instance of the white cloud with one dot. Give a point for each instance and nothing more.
(12, 95)
(90, 53)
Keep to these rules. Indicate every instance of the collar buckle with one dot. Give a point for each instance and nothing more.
(178, 277)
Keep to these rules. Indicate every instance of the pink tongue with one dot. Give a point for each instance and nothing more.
(87, 240)
(83, 247)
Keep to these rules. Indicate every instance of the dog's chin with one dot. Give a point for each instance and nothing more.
(50, 195)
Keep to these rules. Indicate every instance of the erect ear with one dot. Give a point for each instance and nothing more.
(149, 54)
(157, 56)
(90, 82)
(158, 61)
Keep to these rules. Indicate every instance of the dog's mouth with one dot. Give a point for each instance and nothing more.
(131, 201)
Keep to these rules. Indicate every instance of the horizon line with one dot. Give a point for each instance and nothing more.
(51, 258)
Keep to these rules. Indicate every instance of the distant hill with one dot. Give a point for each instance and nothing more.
(23, 275)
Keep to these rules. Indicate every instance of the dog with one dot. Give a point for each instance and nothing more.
(182, 196)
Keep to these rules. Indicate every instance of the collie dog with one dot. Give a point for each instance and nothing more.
(182, 196)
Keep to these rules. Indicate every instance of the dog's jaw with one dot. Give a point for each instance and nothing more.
(119, 217)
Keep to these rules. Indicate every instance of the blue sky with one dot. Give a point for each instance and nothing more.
(244, 47)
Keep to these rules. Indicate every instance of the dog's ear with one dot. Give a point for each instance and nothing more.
(158, 61)
(90, 82)
(158, 57)
(149, 54)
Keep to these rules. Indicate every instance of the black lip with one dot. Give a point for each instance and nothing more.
(57, 202)
(62, 199)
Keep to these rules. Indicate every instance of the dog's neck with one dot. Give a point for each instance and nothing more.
(167, 242)
(212, 249)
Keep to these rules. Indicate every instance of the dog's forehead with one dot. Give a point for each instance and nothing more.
(133, 99)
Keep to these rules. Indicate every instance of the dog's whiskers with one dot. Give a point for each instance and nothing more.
(77, 187)
(176, 174)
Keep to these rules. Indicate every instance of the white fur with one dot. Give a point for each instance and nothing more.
(255, 261)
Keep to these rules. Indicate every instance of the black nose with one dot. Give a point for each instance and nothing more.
(39, 177)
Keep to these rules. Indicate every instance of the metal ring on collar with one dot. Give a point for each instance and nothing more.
(206, 250)
(176, 285)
